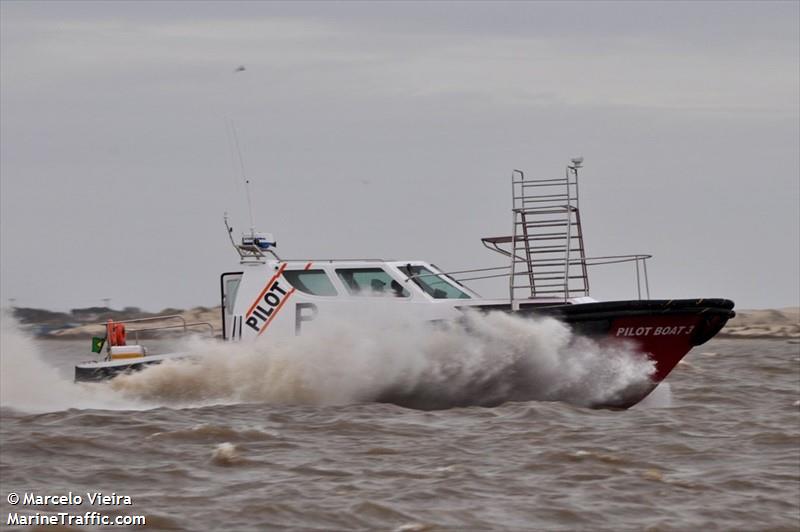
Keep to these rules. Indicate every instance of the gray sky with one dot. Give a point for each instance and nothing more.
(390, 130)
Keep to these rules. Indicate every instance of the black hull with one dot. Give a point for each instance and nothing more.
(665, 330)
(90, 372)
(597, 319)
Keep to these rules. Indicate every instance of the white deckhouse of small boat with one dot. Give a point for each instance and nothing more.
(546, 268)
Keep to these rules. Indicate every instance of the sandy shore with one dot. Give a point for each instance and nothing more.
(765, 323)
(192, 316)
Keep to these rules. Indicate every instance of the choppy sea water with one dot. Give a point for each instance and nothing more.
(716, 449)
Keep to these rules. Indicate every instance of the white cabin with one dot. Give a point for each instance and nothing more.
(287, 297)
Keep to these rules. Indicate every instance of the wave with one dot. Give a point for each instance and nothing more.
(484, 359)
(29, 383)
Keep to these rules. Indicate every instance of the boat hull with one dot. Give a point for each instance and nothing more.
(663, 330)
(103, 370)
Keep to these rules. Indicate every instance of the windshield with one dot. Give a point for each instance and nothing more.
(433, 284)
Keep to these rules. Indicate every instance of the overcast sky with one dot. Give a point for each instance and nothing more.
(390, 130)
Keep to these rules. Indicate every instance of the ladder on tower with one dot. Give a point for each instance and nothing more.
(548, 257)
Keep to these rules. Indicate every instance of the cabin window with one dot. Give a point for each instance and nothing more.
(314, 282)
(433, 284)
(371, 282)
(231, 287)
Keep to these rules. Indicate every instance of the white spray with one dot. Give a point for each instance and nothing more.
(483, 360)
(29, 383)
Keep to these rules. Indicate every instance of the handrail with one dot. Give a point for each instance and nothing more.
(152, 318)
(588, 261)
(183, 325)
(621, 258)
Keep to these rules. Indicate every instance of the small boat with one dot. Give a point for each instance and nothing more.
(546, 270)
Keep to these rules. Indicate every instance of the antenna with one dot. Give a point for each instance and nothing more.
(577, 163)
(244, 175)
(245, 180)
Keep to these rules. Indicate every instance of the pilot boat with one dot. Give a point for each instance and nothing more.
(546, 269)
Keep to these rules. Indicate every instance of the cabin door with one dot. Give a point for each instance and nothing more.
(229, 287)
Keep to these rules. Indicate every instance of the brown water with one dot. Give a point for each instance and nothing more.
(717, 449)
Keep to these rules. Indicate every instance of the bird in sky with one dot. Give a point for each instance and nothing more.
(240, 68)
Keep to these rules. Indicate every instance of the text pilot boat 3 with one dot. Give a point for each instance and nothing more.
(547, 273)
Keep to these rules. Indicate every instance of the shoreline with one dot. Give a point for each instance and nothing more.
(771, 324)
(779, 324)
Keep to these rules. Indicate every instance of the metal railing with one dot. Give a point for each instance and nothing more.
(639, 260)
(184, 326)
